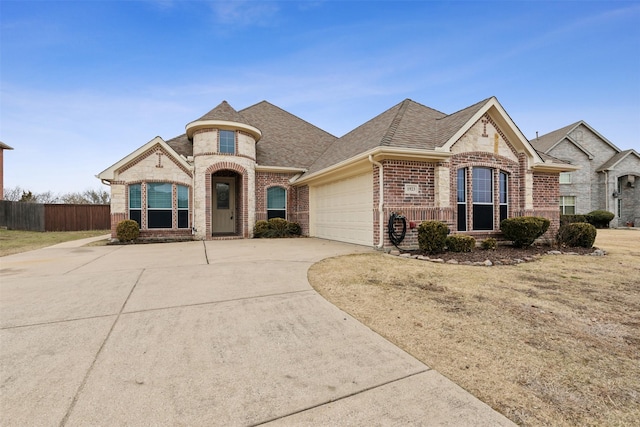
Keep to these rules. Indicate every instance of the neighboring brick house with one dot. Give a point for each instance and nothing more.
(231, 168)
(608, 178)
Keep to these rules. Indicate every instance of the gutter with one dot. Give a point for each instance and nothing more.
(380, 201)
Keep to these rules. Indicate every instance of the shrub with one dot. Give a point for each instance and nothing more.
(127, 230)
(524, 230)
(577, 234)
(489, 244)
(432, 236)
(570, 219)
(460, 243)
(600, 218)
(260, 228)
(276, 227)
(294, 229)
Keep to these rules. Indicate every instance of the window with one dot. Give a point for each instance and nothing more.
(183, 206)
(567, 205)
(135, 203)
(227, 142)
(504, 199)
(565, 177)
(462, 199)
(276, 203)
(482, 199)
(159, 205)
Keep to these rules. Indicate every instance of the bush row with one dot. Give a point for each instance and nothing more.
(433, 236)
(276, 227)
(598, 218)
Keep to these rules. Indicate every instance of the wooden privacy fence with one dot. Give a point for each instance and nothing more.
(54, 217)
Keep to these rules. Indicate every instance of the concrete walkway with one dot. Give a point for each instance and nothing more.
(201, 334)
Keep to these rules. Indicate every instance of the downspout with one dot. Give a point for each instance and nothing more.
(194, 230)
(380, 201)
(606, 190)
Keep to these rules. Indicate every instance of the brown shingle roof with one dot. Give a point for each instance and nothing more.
(547, 141)
(226, 112)
(448, 125)
(616, 158)
(181, 145)
(405, 125)
(287, 140)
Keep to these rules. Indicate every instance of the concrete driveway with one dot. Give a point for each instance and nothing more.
(202, 333)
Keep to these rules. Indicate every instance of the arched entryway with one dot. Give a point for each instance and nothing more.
(226, 203)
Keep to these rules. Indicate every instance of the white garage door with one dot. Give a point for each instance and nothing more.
(343, 210)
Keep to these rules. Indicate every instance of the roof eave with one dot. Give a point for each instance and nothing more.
(554, 167)
(196, 125)
(279, 169)
(360, 163)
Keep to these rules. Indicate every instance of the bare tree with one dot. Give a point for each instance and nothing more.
(13, 194)
(87, 197)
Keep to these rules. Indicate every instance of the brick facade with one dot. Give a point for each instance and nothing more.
(417, 183)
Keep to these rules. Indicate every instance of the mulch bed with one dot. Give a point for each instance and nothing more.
(502, 255)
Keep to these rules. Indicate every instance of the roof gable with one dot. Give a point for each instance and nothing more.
(616, 159)
(469, 116)
(547, 142)
(143, 152)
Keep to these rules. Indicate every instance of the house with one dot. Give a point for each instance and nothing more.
(608, 178)
(3, 147)
(470, 169)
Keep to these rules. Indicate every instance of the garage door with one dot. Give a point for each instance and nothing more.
(343, 210)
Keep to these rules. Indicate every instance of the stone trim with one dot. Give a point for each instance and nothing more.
(153, 150)
(213, 153)
(242, 217)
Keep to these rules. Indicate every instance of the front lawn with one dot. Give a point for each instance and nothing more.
(550, 342)
(16, 241)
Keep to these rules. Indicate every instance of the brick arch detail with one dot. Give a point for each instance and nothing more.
(243, 223)
(515, 186)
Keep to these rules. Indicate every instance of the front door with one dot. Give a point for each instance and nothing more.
(223, 207)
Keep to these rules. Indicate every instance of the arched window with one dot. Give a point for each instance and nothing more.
(276, 203)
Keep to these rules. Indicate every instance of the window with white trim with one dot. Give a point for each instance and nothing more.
(461, 187)
(482, 198)
(183, 206)
(135, 203)
(565, 178)
(159, 205)
(276, 203)
(227, 143)
(504, 196)
(567, 205)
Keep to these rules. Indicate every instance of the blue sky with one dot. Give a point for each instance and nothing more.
(85, 83)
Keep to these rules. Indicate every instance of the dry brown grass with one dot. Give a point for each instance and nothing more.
(552, 342)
